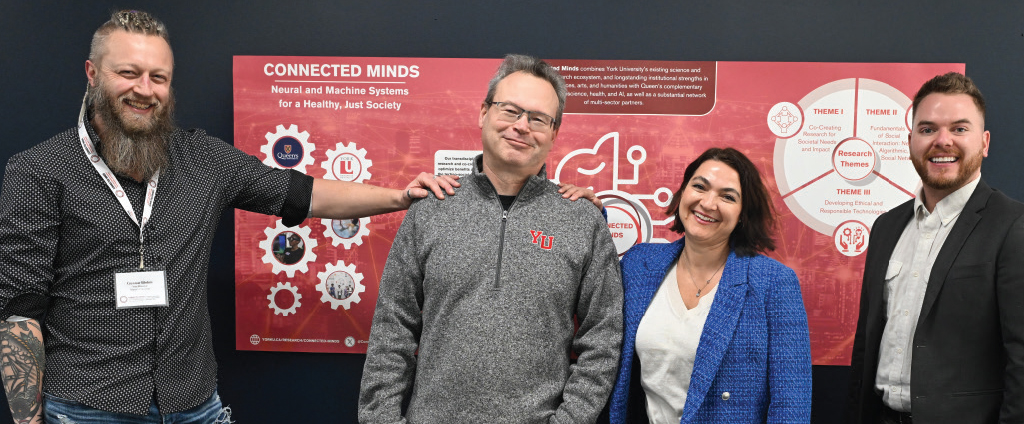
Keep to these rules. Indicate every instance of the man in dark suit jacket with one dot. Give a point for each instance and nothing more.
(940, 338)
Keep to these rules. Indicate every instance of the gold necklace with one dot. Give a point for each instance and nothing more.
(690, 273)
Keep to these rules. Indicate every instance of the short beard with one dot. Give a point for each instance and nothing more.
(137, 151)
(968, 167)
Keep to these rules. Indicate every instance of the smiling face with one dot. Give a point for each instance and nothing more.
(513, 148)
(710, 205)
(947, 143)
(132, 103)
(134, 76)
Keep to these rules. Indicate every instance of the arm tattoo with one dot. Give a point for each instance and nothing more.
(22, 357)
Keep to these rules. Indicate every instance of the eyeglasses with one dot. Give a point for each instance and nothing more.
(510, 112)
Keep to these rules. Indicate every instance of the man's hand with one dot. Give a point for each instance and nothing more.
(573, 193)
(438, 184)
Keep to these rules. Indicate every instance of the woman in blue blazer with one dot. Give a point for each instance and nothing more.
(715, 332)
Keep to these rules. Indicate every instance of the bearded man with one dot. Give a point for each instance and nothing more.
(940, 338)
(107, 230)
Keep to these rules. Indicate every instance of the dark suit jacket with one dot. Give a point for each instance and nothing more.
(968, 349)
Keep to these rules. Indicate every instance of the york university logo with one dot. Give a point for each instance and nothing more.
(544, 241)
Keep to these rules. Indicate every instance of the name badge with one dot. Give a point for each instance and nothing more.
(141, 289)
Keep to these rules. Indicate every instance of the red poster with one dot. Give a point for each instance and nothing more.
(830, 138)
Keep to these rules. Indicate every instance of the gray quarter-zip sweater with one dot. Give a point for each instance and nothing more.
(488, 298)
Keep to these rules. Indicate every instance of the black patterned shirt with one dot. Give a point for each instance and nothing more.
(65, 236)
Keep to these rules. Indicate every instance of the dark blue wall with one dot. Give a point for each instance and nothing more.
(44, 45)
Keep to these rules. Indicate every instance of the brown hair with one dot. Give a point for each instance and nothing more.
(950, 83)
(522, 63)
(753, 232)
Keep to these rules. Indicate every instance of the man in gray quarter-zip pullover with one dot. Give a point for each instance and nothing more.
(475, 319)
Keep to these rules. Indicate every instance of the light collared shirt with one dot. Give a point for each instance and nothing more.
(906, 279)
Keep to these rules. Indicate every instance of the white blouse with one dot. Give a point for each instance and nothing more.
(666, 343)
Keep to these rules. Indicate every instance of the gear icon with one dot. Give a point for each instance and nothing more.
(288, 249)
(346, 231)
(347, 163)
(288, 149)
(273, 295)
(340, 285)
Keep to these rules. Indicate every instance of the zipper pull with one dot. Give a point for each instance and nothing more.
(504, 215)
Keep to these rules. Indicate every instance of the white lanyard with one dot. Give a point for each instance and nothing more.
(108, 177)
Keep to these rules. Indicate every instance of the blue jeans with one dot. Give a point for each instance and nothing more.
(62, 411)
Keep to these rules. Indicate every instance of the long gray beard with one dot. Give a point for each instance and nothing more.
(132, 152)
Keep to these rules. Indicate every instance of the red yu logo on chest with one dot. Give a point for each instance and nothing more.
(544, 241)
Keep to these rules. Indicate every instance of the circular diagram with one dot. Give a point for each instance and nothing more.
(849, 159)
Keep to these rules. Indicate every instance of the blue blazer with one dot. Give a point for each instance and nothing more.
(753, 361)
